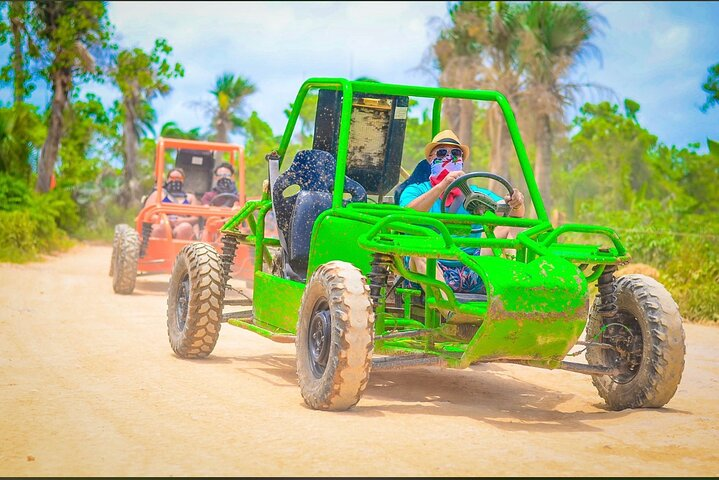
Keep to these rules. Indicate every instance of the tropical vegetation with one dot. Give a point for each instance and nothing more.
(71, 170)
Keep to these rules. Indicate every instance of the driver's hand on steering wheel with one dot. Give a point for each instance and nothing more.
(451, 177)
(516, 200)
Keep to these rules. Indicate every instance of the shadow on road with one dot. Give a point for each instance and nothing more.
(485, 393)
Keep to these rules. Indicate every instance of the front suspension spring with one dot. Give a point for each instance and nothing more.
(378, 275)
(229, 247)
(607, 294)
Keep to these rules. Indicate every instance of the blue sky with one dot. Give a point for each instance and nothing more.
(656, 53)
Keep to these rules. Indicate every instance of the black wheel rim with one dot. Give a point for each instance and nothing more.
(319, 337)
(183, 299)
(625, 335)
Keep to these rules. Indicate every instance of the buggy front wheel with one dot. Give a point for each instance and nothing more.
(648, 345)
(115, 245)
(194, 302)
(125, 253)
(335, 337)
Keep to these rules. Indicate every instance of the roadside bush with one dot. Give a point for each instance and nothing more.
(683, 247)
(31, 223)
(692, 275)
(16, 230)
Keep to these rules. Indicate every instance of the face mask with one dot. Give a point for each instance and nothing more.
(446, 164)
(174, 187)
(225, 185)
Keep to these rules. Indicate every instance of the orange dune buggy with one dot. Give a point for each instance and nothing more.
(135, 250)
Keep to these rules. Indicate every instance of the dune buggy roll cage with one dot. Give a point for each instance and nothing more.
(541, 227)
(349, 88)
(237, 160)
(384, 233)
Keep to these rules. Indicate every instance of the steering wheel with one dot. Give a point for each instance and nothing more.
(477, 203)
(224, 200)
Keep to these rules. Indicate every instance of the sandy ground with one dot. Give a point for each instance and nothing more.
(90, 387)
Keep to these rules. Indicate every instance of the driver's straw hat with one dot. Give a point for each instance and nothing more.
(446, 137)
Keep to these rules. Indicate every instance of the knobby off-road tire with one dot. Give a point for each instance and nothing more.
(115, 243)
(194, 301)
(335, 337)
(644, 306)
(124, 270)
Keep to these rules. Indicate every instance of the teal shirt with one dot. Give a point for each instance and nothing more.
(415, 190)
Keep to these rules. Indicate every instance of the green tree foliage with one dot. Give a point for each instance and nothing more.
(14, 26)
(613, 161)
(711, 88)
(305, 121)
(82, 152)
(660, 199)
(21, 134)
(260, 141)
(418, 132)
(31, 223)
(65, 34)
(140, 76)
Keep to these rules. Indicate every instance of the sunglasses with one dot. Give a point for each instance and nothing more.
(455, 151)
(224, 175)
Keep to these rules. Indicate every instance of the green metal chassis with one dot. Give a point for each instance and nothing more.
(537, 302)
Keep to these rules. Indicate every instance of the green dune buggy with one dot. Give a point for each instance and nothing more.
(334, 280)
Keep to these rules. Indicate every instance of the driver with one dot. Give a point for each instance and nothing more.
(223, 181)
(446, 156)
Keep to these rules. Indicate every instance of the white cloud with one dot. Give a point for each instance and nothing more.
(277, 45)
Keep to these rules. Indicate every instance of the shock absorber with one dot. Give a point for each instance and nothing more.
(605, 283)
(146, 232)
(378, 276)
(229, 247)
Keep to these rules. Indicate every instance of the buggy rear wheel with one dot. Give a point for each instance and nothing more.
(194, 302)
(125, 252)
(648, 340)
(335, 337)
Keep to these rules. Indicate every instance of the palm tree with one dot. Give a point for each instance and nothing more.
(456, 55)
(555, 37)
(230, 93)
(494, 28)
(478, 50)
(140, 76)
(173, 130)
(65, 32)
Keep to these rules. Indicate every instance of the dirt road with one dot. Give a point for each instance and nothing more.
(89, 386)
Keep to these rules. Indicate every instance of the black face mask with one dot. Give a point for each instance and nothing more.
(225, 185)
(174, 187)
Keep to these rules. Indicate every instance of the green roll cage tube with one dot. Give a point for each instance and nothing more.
(395, 231)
